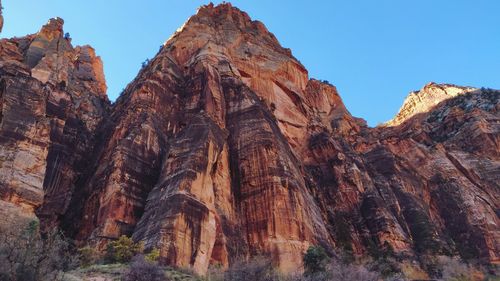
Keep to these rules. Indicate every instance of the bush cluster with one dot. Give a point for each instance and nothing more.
(123, 250)
(258, 268)
(27, 255)
(142, 269)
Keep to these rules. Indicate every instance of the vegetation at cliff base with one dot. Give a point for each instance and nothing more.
(28, 254)
(123, 250)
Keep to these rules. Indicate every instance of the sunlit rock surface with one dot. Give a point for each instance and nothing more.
(223, 148)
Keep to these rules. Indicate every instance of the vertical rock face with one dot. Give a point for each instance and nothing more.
(222, 148)
(53, 96)
(219, 180)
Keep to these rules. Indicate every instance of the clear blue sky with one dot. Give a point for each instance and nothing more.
(375, 52)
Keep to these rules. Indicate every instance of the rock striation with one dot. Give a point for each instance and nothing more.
(52, 96)
(223, 148)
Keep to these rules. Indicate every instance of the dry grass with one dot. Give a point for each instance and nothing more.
(413, 271)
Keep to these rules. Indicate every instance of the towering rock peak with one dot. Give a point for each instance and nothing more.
(225, 39)
(425, 99)
(227, 16)
(48, 41)
(49, 57)
(53, 29)
(89, 67)
(180, 152)
(223, 12)
(228, 27)
(52, 98)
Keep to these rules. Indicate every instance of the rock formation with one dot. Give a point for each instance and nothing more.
(53, 96)
(222, 148)
(424, 100)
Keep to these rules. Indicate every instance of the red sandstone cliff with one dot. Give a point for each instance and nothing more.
(52, 98)
(223, 148)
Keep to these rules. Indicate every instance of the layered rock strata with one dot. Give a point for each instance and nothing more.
(53, 96)
(223, 148)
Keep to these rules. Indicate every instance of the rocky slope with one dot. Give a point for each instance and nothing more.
(223, 148)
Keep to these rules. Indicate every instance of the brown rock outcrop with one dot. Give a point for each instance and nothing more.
(222, 148)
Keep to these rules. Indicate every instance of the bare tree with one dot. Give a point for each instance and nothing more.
(257, 269)
(455, 269)
(350, 272)
(144, 270)
(26, 255)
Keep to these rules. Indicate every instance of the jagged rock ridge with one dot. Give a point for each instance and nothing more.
(223, 148)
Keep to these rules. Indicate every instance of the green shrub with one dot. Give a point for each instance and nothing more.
(153, 255)
(123, 249)
(386, 266)
(315, 260)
